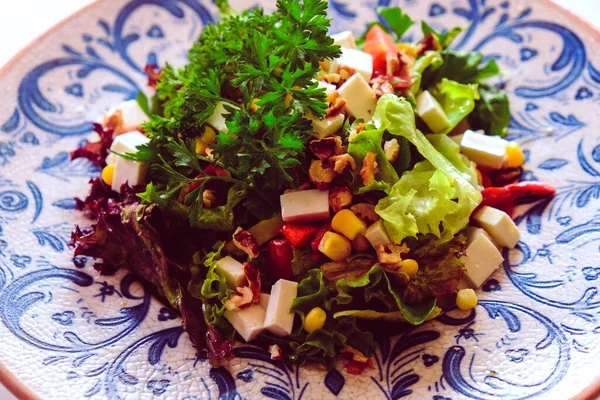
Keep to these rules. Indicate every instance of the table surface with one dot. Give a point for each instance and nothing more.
(21, 26)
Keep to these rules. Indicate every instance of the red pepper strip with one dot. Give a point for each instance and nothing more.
(280, 255)
(299, 235)
(504, 198)
(319, 236)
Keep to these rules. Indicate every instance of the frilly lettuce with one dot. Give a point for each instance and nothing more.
(438, 195)
(457, 100)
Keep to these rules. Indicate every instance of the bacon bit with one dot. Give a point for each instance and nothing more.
(324, 148)
(366, 212)
(356, 361)
(254, 282)
(342, 163)
(391, 254)
(339, 197)
(369, 168)
(429, 42)
(336, 108)
(320, 174)
(243, 299)
(276, 353)
(152, 71)
(244, 241)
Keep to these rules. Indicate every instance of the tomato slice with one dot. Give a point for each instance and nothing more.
(379, 44)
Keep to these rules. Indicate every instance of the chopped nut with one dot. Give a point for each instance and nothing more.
(392, 150)
(346, 72)
(354, 132)
(276, 353)
(242, 299)
(320, 174)
(391, 254)
(244, 241)
(330, 78)
(360, 244)
(114, 121)
(366, 212)
(209, 198)
(332, 96)
(369, 168)
(336, 108)
(381, 86)
(342, 163)
(339, 197)
(324, 148)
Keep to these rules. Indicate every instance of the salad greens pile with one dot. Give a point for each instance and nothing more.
(262, 69)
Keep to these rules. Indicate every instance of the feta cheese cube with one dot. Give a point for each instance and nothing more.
(232, 270)
(248, 322)
(360, 98)
(482, 257)
(484, 150)
(279, 318)
(344, 39)
(327, 126)
(217, 119)
(127, 117)
(359, 61)
(264, 300)
(305, 205)
(128, 171)
(431, 112)
(499, 225)
(377, 235)
(126, 143)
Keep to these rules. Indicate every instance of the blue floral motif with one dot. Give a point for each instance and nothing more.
(166, 314)
(64, 318)
(334, 381)
(583, 93)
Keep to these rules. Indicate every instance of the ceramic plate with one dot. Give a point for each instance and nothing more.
(70, 333)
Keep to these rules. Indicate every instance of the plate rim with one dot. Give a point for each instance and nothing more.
(22, 392)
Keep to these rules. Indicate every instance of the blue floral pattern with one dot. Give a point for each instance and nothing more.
(536, 326)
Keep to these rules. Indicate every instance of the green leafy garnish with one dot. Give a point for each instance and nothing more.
(445, 39)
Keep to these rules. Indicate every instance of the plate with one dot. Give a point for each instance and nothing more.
(70, 333)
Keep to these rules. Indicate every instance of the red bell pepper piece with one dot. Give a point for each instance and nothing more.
(299, 235)
(314, 245)
(281, 254)
(503, 198)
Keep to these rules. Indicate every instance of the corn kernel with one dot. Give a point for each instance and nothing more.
(335, 246)
(208, 135)
(466, 299)
(107, 174)
(408, 49)
(348, 224)
(410, 267)
(514, 156)
(201, 146)
(314, 320)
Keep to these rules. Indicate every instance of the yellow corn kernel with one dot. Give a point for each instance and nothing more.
(466, 299)
(410, 267)
(315, 319)
(360, 244)
(348, 224)
(208, 135)
(408, 49)
(514, 156)
(107, 174)
(335, 246)
(201, 146)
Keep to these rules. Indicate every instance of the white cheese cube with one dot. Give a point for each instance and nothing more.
(279, 318)
(248, 322)
(232, 270)
(126, 143)
(377, 235)
(360, 98)
(482, 258)
(431, 112)
(305, 205)
(217, 119)
(359, 61)
(344, 39)
(327, 126)
(127, 117)
(264, 300)
(128, 171)
(484, 150)
(499, 225)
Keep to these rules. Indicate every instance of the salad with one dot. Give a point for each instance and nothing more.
(306, 192)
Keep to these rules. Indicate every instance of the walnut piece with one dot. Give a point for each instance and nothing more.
(114, 121)
(342, 163)
(326, 147)
(369, 168)
(339, 197)
(209, 198)
(244, 241)
(241, 299)
(321, 174)
(366, 212)
(337, 107)
(391, 254)
(391, 149)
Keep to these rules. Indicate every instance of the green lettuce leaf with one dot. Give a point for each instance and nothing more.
(492, 111)
(445, 39)
(431, 59)
(394, 316)
(437, 196)
(371, 140)
(457, 100)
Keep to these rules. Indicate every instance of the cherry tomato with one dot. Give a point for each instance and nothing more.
(379, 44)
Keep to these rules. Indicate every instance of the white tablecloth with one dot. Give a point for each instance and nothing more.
(21, 21)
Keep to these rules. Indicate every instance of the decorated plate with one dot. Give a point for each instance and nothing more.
(69, 333)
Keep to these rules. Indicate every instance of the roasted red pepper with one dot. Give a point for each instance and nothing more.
(280, 255)
(314, 245)
(506, 197)
(299, 235)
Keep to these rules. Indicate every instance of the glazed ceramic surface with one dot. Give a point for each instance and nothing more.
(69, 333)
